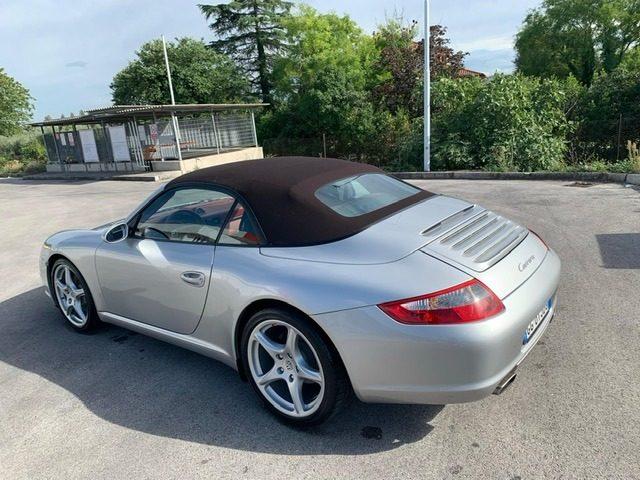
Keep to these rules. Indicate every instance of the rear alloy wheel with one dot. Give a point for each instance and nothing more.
(72, 296)
(296, 374)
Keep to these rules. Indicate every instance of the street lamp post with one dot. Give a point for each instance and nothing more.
(174, 120)
(427, 89)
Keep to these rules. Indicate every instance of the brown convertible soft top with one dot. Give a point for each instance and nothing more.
(281, 193)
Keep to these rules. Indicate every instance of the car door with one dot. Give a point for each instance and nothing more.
(160, 273)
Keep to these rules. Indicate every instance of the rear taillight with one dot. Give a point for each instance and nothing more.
(468, 302)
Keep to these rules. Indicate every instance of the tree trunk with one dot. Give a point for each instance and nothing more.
(263, 73)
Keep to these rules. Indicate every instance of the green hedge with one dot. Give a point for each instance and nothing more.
(607, 116)
(22, 153)
(511, 122)
(508, 122)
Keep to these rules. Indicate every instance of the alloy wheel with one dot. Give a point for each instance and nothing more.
(286, 368)
(70, 295)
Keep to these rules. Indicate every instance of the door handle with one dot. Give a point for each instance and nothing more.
(193, 278)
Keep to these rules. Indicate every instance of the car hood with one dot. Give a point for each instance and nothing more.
(64, 236)
(103, 228)
(387, 241)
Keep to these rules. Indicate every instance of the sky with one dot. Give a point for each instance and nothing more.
(67, 51)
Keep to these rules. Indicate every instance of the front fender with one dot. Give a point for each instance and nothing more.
(77, 246)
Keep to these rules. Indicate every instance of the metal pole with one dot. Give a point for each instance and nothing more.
(253, 129)
(324, 145)
(176, 134)
(93, 131)
(427, 88)
(166, 64)
(176, 126)
(55, 144)
(619, 138)
(158, 144)
(107, 140)
(78, 147)
(44, 141)
(132, 142)
(138, 142)
(215, 132)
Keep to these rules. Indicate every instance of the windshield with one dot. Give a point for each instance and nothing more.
(365, 193)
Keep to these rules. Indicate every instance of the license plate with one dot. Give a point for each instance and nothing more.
(535, 323)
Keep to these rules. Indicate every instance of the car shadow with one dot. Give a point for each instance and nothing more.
(154, 387)
(620, 250)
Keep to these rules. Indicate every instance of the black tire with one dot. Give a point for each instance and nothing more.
(337, 387)
(92, 320)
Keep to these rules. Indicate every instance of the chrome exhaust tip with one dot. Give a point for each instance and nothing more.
(505, 382)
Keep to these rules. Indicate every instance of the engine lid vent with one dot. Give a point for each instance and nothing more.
(475, 238)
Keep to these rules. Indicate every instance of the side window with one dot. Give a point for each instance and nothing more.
(193, 215)
(241, 228)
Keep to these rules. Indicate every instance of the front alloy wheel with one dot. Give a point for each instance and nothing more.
(297, 375)
(72, 295)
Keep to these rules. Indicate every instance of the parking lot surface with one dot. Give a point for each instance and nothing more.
(116, 405)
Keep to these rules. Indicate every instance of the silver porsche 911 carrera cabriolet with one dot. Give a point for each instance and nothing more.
(316, 279)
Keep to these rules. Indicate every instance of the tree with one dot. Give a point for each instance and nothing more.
(251, 32)
(400, 65)
(445, 62)
(631, 60)
(577, 37)
(399, 68)
(16, 105)
(199, 75)
(321, 85)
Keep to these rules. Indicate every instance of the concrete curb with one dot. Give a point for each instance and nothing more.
(601, 177)
(131, 177)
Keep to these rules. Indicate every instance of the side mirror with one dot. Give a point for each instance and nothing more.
(117, 233)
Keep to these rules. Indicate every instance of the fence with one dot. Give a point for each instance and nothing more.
(605, 138)
(628, 130)
(141, 140)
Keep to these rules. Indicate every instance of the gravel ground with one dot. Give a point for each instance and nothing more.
(118, 405)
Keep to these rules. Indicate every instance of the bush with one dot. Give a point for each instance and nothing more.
(633, 158)
(411, 148)
(11, 167)
(510, 122)
(22, 153)
(34, 167)
(598, 114)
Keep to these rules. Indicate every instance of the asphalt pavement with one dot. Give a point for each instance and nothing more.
(116, 405)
